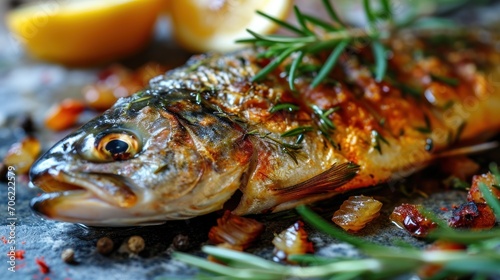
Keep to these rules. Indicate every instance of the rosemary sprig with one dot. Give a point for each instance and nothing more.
(326, 126)
(314, 35)
(324, 116)
(292, 150)
(232, 117)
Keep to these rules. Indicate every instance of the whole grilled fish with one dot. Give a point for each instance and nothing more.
(205, 136)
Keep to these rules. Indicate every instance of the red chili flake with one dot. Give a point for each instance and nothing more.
(4, 240)
(42, 266)
(20, 254)
(444, 209)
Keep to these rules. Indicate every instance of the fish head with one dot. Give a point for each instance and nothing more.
(148, 159)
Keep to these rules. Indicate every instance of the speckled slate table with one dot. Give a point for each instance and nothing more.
(29, 86)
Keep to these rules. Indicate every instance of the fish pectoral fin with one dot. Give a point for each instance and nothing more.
(327, 181)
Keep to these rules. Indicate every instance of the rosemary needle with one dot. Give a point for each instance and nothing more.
(329, 63)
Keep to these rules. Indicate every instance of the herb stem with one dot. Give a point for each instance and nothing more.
(353, 33)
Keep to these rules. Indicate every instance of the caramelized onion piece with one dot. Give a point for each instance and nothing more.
(356, 212)
(117, 81)
(64, 115)
(291, 241)
(473, 215)
(408, 216)
(99, 96)
(236, 231)
(148, 71)
(21, 155)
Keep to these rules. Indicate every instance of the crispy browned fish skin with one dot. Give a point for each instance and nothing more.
(212, 105)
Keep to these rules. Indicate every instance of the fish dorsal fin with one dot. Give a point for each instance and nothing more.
(467, 150)
(327, 181)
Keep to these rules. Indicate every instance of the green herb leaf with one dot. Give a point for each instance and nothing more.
(273, 65)
(380, 60)
(463, 236)
(281, 23)
(331, 12)
(293, 70)
(386, 9)
(447, 80)
(329, 63)
(297, 131)
(284, 107)
(302, 21)
(490, 198)
(427, 129)
(494, 170)
(282, 39)
(376, 138)
(319, 22)
(370, 15)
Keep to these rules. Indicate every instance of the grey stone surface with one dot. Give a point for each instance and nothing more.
(25, 89)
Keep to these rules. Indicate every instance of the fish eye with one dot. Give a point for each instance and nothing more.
(116, 146)
(110, 146)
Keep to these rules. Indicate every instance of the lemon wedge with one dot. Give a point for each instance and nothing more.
(78, 32)
(214, 25)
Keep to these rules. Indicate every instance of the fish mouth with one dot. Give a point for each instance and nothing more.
(88, 198)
